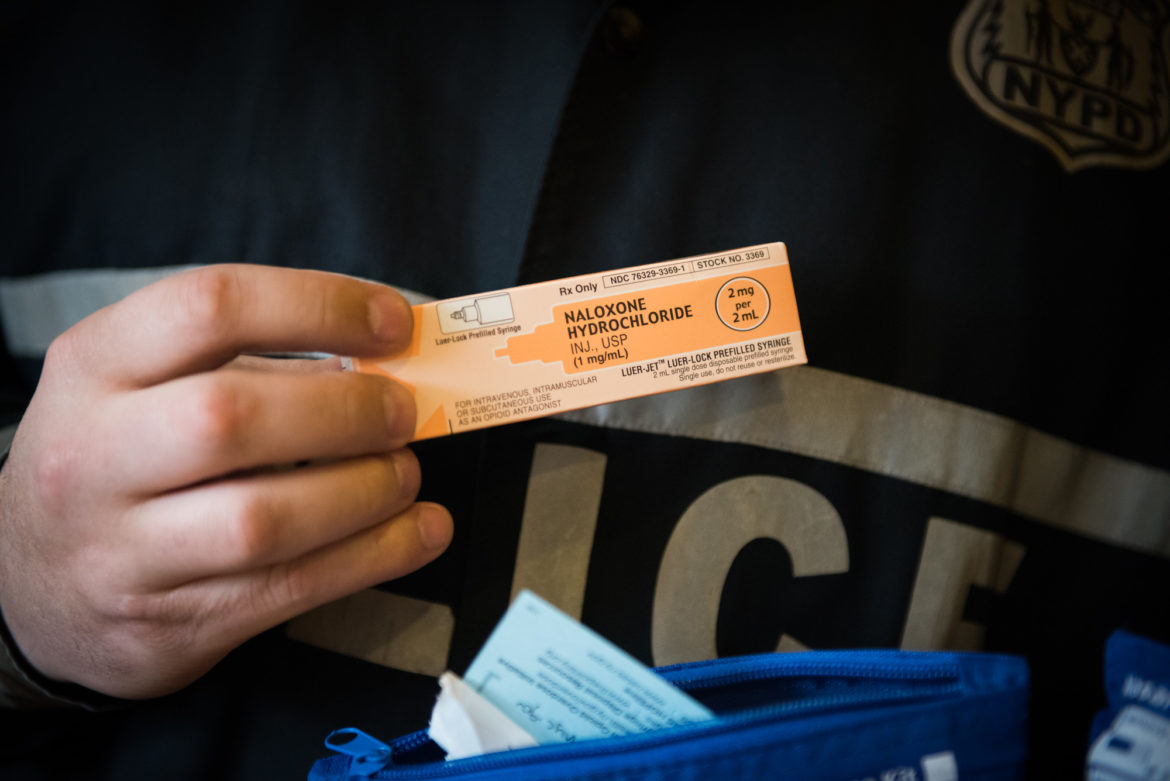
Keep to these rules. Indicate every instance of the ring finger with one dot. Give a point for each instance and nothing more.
(260, 519)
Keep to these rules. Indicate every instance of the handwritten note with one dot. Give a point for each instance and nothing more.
(562, 682)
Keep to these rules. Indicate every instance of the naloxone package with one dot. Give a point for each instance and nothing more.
(536, 350)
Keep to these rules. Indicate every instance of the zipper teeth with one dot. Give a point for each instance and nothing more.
(880, 672)
(410, 742)
(722, 724)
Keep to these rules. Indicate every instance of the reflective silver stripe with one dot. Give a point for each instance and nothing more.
(921, 439)
(560, 517)
(36, 310)
(387, 629)
(805, 410)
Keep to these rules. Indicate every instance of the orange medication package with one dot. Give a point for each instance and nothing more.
(536, 350)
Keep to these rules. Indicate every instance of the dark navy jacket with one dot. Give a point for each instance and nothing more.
(974, 201)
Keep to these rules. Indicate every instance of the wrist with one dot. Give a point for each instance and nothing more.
(22, 686)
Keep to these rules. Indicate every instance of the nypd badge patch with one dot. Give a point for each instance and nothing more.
(1085, 78)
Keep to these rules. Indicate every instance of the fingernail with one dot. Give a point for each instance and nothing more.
(400, 412)
(391, 319)
(434, 526)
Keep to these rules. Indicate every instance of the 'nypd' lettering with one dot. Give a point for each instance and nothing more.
(1086, 80)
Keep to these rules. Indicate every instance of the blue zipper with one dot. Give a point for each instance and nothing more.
(369, 755)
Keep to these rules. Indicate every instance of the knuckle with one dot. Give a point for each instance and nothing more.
(216, 415)
(285, 585)
(319, 309)
(56, 472)
(150, 625)
(207, 300)
(252, 533)
(295, 588)
(351, 408)
(131, 608)
(370, 489)
(362, 407)
(62, 353)
(359, 404)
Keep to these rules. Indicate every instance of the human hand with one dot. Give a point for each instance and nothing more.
(143, 532)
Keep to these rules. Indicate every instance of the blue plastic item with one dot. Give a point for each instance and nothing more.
(847, 715)
(1131, 736)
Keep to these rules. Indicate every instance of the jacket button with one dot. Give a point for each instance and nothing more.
(621, 29)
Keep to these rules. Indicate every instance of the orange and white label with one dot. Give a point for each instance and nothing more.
(536, 350)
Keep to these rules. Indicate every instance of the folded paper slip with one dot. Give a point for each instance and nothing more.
(466, 724)
(536, 350)
(558, 680)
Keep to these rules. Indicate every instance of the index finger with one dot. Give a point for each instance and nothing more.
(200, 319)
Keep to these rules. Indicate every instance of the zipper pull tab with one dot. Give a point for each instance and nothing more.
(368, 754)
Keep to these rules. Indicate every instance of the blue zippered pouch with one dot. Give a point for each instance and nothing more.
(847, 715)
